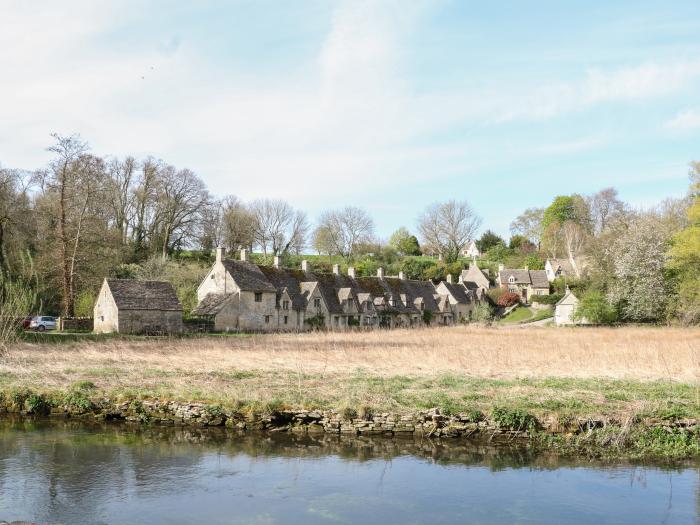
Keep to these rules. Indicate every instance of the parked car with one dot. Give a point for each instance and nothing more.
(42, 323)
(26, 322)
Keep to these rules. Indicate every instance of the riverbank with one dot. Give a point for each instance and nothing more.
(599, 391)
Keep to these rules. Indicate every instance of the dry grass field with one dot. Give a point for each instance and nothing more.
(595, 370)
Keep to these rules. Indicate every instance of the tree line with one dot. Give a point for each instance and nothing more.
(83, 217)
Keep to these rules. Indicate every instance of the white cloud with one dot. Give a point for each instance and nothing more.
(631, 84)
(346, 120)
(687, 120)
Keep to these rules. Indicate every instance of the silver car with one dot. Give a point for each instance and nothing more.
(42, 323)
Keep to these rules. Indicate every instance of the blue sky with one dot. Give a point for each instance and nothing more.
(387, 105)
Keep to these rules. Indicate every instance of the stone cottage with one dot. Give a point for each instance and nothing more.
(524, 282)
(241, 296)
(129, 306)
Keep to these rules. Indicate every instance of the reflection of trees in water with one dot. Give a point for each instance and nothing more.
(101, 462)
(92, 466)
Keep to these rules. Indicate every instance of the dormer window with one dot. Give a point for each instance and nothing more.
(285, 305)
(317, 302)
(511, 279)
(349, 303)
(258, 297)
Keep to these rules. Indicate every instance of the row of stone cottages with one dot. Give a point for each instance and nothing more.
(238, 295)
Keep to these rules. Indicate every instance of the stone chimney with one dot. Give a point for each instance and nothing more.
(449, 278)
(276, 261)
(351, 272)
(501, 267)
(220, 252)
(244, 255)
(304, 265)
(380, 272)
(402, 276)
(336, 269)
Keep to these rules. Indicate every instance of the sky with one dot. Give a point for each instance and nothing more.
(387, 105)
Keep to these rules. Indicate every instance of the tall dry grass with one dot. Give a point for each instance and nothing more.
(633, 353)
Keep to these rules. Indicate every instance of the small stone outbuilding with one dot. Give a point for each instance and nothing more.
(129, 306)
(565, 308)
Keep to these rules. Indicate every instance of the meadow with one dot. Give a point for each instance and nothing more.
(608, 372)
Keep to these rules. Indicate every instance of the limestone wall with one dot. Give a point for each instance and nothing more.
(149, 321)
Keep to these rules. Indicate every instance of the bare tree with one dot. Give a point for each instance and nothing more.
(17, 227)
(529, 225)
(341, 231)
(238, 224)
(77, 242)
(278, 227)
(181, 197)
(122, 175)
(447, 227)
(574, 238)
(144, 203)
(604, 206)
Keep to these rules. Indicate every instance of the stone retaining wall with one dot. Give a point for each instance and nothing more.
(429, 423)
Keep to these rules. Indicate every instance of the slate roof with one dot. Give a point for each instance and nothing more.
(333, 288)
(282, 279)
(211, 304)
(476, 276)
(537, 278)
(458, 291)
(248, 276)
(130, 294)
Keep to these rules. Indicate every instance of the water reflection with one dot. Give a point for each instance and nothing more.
(68, 472)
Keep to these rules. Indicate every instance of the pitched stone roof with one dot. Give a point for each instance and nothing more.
(282, 279)
(457, 291)
(211, 304)
(476, 276)
(248, 276)
(537, 278)
(130, 294)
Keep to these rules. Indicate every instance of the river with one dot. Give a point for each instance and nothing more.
(66, 472)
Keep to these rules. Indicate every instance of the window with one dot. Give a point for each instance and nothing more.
(267, 319)
(349, 303)
(285, 305)
(317, 302)
(285, 319)
(513, 289)
(511, 279)
(336, 320)
(422, 306)
(540, 292)
(258, 297)
(212, 276)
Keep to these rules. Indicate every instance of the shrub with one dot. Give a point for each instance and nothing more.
(482, 313)
(317, 322)
(594, 308)
(547, 299)
(427, 316)
(514, 419)
(508, 299)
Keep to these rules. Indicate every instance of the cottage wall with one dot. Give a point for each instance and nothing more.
(226, 320)
(563, 314)
(149, 321)
(252, 315)
(105, 312)
(217, 281)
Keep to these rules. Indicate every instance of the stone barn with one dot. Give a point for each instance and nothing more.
(129, 306)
